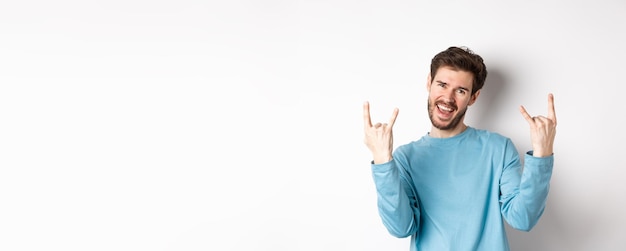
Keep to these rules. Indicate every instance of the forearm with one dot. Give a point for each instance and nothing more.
(522, 209)
(395, 200)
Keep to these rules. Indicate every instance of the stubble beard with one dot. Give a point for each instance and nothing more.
(451, 125)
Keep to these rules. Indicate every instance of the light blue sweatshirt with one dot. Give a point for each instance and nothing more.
(453, 193)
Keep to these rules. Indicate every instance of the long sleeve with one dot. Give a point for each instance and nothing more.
(456, 193)
(524, 192)
(397, 201)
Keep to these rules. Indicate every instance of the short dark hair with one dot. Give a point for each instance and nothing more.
(461, 58)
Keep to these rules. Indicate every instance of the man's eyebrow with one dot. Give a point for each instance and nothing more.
(462, 88)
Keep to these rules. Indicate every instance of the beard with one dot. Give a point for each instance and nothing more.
(452, 124)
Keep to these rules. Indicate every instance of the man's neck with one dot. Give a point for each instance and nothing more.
(438, 133)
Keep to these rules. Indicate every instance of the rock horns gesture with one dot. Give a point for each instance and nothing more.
(379, 137)
(542, 129)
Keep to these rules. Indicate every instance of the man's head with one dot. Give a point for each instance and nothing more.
(462, 59)
(455, 79)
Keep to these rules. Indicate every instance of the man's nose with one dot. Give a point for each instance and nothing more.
(449, 95)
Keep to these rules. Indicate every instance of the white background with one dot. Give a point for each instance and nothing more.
(236, 125)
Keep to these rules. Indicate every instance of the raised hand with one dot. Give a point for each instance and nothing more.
(379, 137)
(542, 129)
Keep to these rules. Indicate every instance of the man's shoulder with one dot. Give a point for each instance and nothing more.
(412, 145)
(489, 135)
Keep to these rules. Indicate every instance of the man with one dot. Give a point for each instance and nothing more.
(453, 188)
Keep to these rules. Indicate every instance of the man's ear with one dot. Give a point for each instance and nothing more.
(428, 79)
(474, 97)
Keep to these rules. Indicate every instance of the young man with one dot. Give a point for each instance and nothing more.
(453, 188)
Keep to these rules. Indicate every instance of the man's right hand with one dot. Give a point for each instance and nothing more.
(379, 137)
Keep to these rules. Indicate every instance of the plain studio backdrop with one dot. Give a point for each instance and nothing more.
(237, 125)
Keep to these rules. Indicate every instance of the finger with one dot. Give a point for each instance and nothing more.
(366, 114)
(551, 112)
(525, 114)
(544, 121)
(541, 120)
(394, 115)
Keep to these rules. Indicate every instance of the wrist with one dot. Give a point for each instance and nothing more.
(380, 159)
(541, 153)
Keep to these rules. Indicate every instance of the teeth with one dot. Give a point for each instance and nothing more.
(444, 108)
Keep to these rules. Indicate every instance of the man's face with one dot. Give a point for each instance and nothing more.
(449, 95)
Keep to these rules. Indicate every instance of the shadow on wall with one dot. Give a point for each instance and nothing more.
(552, 232)
(485, 112)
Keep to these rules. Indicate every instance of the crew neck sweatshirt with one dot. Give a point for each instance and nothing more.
(456, 193)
